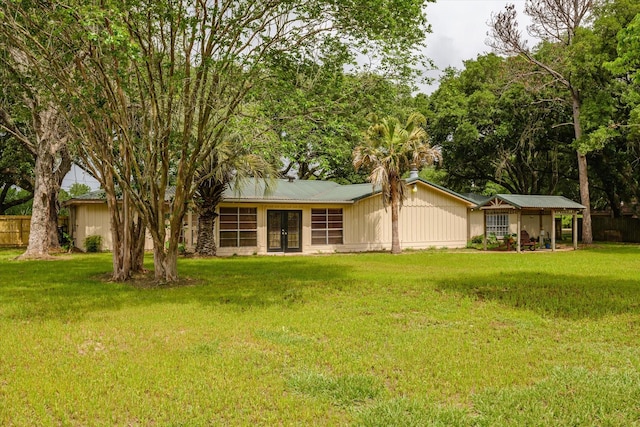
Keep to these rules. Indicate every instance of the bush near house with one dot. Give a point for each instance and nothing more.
(93, 243)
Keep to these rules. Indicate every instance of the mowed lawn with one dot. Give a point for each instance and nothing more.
(424, 338)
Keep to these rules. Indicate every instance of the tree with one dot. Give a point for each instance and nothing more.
(494, 126)
(318, 109)
(556, 22)
(391, 149)
(32, 118)
(168, 77)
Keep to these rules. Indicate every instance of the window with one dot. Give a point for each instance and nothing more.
(326, 226)
(498, 223)
(238, 227)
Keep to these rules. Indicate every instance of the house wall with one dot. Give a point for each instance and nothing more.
(88, 220)
(93, 219)
(261, 211)
(533, 222)
(476, 223)
(429, 218)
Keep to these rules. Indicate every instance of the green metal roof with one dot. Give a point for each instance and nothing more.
(292, 191)
(284, 190)
(478, 199)
(310, 191)
(522, 201)
(92, 195)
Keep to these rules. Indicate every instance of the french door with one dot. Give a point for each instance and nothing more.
(284, 231)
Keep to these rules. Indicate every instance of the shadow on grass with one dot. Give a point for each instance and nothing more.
(565, 296)
(69, 289)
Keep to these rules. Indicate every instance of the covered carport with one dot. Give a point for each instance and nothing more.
(531, 206)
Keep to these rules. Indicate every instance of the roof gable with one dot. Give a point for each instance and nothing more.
(523, 201)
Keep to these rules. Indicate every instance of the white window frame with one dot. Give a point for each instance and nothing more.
(326, 227)
(498, 224)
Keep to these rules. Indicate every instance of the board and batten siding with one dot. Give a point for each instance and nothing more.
(93, 219)
(428, 218)
(88, 220)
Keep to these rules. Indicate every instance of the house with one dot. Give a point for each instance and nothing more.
(308, 217)
(298, 216)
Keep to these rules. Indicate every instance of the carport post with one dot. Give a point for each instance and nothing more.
(553, 230)
(518, 242)
(575, 230)
(484, 241)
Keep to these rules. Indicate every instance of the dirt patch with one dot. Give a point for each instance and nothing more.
(146, 280)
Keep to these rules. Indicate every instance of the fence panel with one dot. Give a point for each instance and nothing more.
(14, 230)
(607, 229)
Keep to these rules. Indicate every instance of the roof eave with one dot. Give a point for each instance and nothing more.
(286, 201)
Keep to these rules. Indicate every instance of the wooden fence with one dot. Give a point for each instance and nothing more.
(607, 229)
(14, 229)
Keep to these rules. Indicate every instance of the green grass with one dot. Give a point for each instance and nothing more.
(425, 338)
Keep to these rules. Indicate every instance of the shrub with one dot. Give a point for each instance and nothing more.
(477, 239)
(93, 243)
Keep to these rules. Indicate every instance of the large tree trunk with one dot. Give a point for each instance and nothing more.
(52, 164)
(40, 233)
(165, 263)
(165, 253)
(395, 210)
(583, 176)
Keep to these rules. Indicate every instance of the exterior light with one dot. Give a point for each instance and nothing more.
(414, 189)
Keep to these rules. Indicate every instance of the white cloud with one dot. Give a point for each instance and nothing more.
(459, 31)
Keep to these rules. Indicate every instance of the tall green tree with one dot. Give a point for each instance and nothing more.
(29, 114)
(390, 149)
(317, 110)
(495, 126)
(556, 23)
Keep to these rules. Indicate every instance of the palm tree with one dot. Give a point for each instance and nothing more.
(391, 149)
(229, 161)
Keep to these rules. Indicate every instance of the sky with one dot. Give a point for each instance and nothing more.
(459, 31)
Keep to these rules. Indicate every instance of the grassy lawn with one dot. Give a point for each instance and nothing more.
(424, 338)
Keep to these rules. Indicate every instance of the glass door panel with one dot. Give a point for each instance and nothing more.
(293, 230)
(274, 231)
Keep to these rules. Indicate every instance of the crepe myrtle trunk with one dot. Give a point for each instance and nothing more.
(127, 234)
